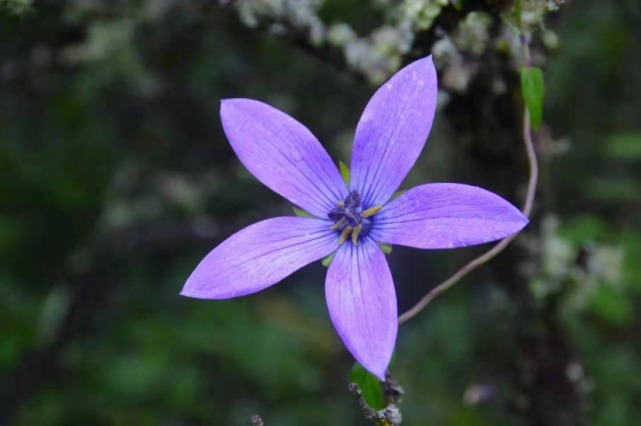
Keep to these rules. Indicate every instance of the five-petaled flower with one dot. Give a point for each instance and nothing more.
(349, 222)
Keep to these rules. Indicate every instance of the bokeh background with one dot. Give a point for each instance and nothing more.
(116, 179)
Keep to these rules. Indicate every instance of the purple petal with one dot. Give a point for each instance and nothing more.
(392, 131)
(362, 304)
(446, 215)
(259, 256)
(283, 155)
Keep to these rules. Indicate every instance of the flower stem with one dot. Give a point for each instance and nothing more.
(490, 254)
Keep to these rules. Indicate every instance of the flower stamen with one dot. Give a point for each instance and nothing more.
(355, 233)
(338, 224)
(371, 211)
(345, 234)
(350, 219)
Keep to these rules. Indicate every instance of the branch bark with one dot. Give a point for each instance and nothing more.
(388, 416)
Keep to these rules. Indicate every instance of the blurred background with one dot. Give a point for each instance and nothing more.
(116, 179)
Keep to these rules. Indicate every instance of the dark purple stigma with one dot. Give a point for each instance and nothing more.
(351, 214)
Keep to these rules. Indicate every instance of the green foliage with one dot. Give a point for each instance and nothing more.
(16, 7)
(533, 91)
(624, 146)
(370, 386)
(612, 304)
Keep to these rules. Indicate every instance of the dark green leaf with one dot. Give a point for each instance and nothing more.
(370, 386)
(533, 89)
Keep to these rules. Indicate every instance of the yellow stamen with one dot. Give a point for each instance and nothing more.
(340, 203)
(345, 234)
(355, 233)
(338, 224)
(371, 211)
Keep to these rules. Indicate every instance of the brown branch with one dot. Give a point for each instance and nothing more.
(388, 416)
(369, 413)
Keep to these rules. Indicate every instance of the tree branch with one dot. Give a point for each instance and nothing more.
(388, 416)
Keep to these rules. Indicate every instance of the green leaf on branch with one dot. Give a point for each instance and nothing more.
(370, 386)
(344, 172)
(533, 89)
(301, 212)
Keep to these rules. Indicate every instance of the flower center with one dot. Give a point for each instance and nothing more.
(350, 219)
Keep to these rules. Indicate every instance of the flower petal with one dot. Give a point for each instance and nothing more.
(283, 155)
(392, 131)
(446, 215)
(259, 256)
(362, 304)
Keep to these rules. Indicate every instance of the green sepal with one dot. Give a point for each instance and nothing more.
(533, 90)
(387, 248)
(301, 212)
(344, 172)
(398, 194)
(370, 386)
(327, 260)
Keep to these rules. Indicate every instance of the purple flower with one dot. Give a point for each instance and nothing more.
(350, 222)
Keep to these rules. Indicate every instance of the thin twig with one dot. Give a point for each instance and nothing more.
(490, 254)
